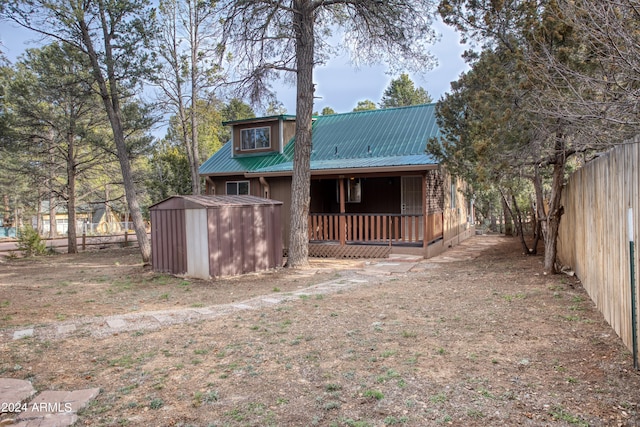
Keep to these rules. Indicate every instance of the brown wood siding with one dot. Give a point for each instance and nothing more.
(281, 191)
(220, 185)
(454, 218)
(168, 241)
(288, 131)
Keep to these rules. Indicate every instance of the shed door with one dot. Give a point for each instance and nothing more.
(412, 202)
(197, 243)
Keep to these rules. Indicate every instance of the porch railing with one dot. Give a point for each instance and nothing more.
(374, 228)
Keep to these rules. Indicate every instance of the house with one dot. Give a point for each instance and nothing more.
(91, 218)
(374, 189)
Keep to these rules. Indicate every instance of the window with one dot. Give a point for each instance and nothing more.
(235, 188)
(255, 139)
(353, 193)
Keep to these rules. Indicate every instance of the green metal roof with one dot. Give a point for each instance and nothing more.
(223, 163)
(392, 137)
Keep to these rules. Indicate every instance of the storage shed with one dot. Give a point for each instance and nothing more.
(214, 236)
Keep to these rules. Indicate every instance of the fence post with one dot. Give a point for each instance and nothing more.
(84, 240)
(634, 316)
(126, 238)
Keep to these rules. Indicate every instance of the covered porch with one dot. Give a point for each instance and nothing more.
(369, 216)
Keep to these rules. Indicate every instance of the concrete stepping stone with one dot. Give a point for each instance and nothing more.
(13, 390)
(66, 329)
(162, 318)
(56, 408)
(391, 267)
(405, 258)
(243, 306)
(204, 310)
(22, 334)
(116, 323)
(48, 420)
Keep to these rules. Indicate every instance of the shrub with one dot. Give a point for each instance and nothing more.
(30, 243)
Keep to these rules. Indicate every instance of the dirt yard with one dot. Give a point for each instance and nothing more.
(477, 337)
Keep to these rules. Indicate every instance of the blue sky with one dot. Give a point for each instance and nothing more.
(338, 84)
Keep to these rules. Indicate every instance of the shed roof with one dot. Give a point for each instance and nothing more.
(394, 137)
(200, 202)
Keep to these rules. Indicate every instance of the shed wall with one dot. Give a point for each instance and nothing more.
(197, 240)
(244, 239)
(168, 241)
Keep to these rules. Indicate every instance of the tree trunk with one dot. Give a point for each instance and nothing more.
(551, 225)
(551, 222)
(107, 207)
(52, 216)
(508, 217)
(520, 229)
(72, 241)
(301, 180)
(109, 92)
(130, 192)
(6, 220)
(39, 220)
(195, 46)
(182, 113)
(517, 219)
(53, 231)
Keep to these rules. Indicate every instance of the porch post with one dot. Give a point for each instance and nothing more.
(425, 222)
(341, 220)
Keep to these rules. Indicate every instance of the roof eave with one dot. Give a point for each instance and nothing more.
(222, 174)
(347, 171)
(282, 117)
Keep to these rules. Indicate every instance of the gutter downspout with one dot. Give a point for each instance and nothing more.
(267, 189)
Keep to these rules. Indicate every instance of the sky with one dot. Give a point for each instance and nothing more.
(339, 84)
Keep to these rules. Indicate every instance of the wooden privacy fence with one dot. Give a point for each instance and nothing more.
(593, 237)
(374, 228)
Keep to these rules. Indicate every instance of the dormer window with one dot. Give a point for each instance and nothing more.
(255, 138)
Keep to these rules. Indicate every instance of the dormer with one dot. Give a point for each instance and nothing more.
(261, 135)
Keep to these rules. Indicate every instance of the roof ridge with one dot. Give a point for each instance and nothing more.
(379, 110)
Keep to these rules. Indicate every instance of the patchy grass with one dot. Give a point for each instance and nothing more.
(482, 341)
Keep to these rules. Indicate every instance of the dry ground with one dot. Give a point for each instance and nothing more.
(466, 342)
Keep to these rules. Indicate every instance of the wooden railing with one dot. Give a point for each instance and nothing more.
(380, 228)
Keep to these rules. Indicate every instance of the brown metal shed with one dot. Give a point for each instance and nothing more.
(213, 236)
